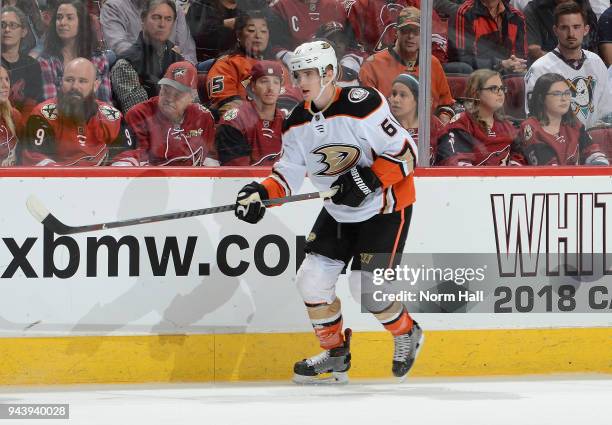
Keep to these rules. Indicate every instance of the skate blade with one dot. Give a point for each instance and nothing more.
(334, 378)
(418, 350)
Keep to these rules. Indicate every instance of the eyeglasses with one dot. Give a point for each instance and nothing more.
(496, 89)
(560, 94)
(12, 25)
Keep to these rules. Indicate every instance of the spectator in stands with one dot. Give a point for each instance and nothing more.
(75, 128)
(33, 42)
(24, 71)
(373, 23)
(122, 23)
(251, 133)
(480, 135)
(584, 70)
(350, 54)
(171, 129)
(211, 23)
(541, 38)
(10, 122)
(380, 69)
(139, 68)
(446, 8)
(71, 36)
(403, 103)
(294, 22)
(489, 34)
(604, 36)
(229, 76)
(552, 135)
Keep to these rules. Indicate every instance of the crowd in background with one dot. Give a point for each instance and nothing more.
(206, 82)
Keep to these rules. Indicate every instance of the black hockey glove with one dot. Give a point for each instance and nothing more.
(354, 185)
(249, 205)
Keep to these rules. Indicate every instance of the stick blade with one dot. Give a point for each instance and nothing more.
(36, 208)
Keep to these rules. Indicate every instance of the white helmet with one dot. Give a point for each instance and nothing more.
(314, 54)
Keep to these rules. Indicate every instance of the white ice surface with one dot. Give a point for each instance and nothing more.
(552, 400)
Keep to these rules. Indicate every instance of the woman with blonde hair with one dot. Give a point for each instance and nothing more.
(10, 122)
(480, 135)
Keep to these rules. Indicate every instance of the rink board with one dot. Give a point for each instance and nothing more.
(231, 312)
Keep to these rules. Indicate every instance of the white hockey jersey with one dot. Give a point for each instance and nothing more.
(589, 84)
(357, 128)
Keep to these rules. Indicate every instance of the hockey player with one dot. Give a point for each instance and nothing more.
(345, 138)
(170, 129)
(76, 128)
(251, 133)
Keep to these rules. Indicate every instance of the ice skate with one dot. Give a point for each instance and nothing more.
(407, 348)
(328, 367)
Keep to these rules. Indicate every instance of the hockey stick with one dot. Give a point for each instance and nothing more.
(42, 214)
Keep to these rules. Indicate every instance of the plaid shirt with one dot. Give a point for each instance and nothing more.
(126, 85)
(52, 68)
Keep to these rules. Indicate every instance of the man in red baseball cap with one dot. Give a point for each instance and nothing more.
(170, 128)
(251, 133)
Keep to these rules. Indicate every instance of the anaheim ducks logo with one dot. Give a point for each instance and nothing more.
(337, 158)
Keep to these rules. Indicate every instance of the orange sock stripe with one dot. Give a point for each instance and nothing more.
(397, 239)
(401, 325)
(330, 336)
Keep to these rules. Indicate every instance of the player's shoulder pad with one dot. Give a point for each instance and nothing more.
(357, 102)
(298, 116)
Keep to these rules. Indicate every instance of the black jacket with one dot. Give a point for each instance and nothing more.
(148, 64)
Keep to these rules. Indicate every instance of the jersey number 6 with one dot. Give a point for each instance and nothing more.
(388, 127)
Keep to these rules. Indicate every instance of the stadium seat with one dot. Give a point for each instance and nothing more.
(515, 98)
(603, 137)
(457, 83)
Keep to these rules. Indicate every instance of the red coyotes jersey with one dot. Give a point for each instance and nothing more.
(52, 140)
(160, 142)
(373, 23)
(464, 142)
(572, 146)
(231, 74)
(304, 17)
(243, 138)
(8, 140)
